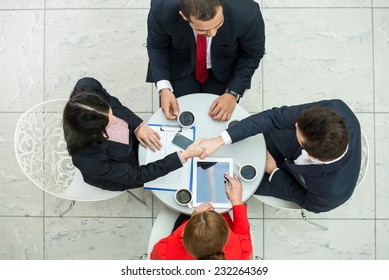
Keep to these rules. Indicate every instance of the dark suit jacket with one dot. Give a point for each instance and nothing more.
(114, 166)
(236, 49)
(317, 188)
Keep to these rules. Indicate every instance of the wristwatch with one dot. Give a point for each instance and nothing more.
(233, 93)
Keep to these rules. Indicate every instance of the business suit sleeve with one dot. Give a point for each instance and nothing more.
(273, 119)
(124, 174)
(251, 51)
(158, 43)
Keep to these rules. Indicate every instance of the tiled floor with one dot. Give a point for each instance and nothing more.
(315, 50)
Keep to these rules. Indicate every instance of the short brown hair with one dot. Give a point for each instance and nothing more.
(205, 235)
(324, 131)
(203, 10)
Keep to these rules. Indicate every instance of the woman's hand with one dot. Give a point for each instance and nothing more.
(202, 207)
(234, 189)
(148, 137)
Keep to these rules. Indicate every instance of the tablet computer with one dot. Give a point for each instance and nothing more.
(208, 181)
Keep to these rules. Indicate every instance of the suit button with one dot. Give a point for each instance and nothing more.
(183, 74)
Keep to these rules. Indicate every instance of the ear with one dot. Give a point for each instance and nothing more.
(183, 15)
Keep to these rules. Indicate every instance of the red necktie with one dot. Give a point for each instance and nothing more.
(201, 71)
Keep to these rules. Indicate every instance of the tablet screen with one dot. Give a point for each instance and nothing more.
(209, 181)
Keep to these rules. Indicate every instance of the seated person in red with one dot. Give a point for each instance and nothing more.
(208, 235)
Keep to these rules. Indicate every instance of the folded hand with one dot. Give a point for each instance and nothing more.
(148, 137)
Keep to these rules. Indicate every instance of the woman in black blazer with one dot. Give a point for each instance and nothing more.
(103, 136)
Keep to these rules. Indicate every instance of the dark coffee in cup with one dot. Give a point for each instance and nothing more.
(186, 119)
(183, 197)
(248, 172)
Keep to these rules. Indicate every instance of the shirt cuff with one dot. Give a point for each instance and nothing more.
(226, 137)
(274, 171)
(183, 160)
(164, 84)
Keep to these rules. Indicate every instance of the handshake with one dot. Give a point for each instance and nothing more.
(203, 148)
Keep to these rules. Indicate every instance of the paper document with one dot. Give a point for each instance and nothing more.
(180, 178)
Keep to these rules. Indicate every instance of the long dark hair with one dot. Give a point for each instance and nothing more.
(205, 236)
(85, 118)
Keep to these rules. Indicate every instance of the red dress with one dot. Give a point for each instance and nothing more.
(238, 246)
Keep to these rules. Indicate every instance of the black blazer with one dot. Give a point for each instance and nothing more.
(236, 49)
(317, 188)
(114, 166)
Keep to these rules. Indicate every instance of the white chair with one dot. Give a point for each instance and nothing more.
(163, 226)
(40, 150)
(289, 205)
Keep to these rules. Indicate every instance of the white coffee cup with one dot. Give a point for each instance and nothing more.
(183, 197)
(247, 172)
(186, 119)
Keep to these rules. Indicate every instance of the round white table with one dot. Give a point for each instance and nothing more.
(250, 150)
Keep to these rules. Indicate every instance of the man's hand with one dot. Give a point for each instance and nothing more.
(148, 137)
(169, 104)
(270, 163)
(234, 189)
(210, 146)
(222, 108)
(194, 150)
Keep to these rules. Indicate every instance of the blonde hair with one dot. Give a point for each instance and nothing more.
(205, 236)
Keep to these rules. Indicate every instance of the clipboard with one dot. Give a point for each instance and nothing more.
(177, 179)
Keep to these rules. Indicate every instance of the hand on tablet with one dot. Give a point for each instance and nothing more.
(234, 189)
(202, 207)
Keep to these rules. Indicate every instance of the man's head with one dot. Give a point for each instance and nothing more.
(204, 16)
(322, 132)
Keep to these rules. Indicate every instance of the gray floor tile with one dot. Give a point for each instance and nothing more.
(345, 239)
(313, 52)
(382, 244)
(21, 238)
(96, 238)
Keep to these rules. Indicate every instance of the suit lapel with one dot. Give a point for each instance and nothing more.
(188, 34)
(222, 35)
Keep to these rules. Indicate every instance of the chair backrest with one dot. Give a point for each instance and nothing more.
(289, 205)
(162, 227)
(40, 150)
(364, 159)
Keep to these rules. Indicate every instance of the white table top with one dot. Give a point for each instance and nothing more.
(250, 150)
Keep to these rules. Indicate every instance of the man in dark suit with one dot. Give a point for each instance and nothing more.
(235, 43)
(313, 152)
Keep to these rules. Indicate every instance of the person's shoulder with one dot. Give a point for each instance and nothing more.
(88, 156)
(163, 6)
(336, 104)
(241, 5)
